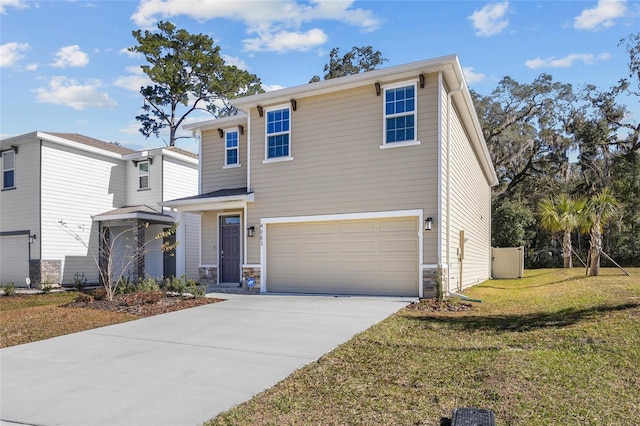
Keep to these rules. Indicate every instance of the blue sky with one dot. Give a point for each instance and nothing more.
(64, 65)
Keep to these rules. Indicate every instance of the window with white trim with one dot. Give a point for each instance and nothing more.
(400, 114)
(231, 148)
(8, 169)
(143, 175)
(278, 129)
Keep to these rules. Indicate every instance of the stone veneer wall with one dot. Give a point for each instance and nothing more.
(44, 270)
(208, 275)
(430, 282)
(251, 272)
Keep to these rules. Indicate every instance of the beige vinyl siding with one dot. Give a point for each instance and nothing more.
(338, 166)
(470, 211)
(20, 207)
(214, 175)
(180, 179)
(209, 231)
(75, 186)
(192, 245)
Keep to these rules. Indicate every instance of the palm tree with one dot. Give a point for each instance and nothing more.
(594, 217)
(562, 214)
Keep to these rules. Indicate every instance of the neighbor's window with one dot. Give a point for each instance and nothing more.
(278, 133)
(143, 175)
(400, 114)
(232, 157)
(8, 170)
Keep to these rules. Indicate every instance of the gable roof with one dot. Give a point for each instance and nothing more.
(95, 143)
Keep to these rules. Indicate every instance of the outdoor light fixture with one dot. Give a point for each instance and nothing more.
(428, 223)
(251, 231)
(32, 238)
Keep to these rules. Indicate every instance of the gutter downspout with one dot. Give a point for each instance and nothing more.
(449, 110)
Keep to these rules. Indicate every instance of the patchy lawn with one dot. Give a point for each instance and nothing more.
(552, 348)
(29, 318)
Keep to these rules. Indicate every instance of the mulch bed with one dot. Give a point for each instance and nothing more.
(446, 305)
(144, 304)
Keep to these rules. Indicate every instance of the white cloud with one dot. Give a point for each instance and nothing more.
(31, 67)
(601, 16)
(134, 81)
(18, 4)
(472, 77)
(285, 41)
(71, 56)
(10, 53)
(567, 61)
(277, 24)
(490, 20)
(68, 92)
(234, 60)
(272, 87)
(125, 51)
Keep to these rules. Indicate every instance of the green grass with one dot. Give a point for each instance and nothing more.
(25, 319)
(552, 348)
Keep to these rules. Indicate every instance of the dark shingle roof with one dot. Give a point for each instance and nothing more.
(96, 143)
(182, 151)
(216, 194)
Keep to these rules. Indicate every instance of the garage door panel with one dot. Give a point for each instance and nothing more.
(351, 257)
(14, 259)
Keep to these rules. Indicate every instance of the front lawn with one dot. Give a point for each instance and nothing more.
(552, 348)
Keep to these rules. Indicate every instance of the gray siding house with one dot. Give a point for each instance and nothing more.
(92, 186)
(366, 184)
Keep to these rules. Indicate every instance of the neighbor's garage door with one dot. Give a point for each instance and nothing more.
(377, 257)
(14, 259)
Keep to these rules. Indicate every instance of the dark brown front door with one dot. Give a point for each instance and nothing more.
(230, 249)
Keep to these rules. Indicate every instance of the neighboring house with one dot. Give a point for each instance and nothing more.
(365, 184)
(92, 186)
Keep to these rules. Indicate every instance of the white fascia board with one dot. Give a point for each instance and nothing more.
(381, 76)
(129, 216)
(343, 216)
(239, 118)
(176, 155)
(204, 204)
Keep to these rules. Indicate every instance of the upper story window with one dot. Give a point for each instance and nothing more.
(143, 175)
(232, 149)
(400, 114)
(8, 170)
(278, 133)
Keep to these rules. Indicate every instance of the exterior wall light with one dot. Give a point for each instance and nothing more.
(428, 223)
(251, 231)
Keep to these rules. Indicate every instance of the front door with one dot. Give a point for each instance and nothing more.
(169, 257)
(230, 249)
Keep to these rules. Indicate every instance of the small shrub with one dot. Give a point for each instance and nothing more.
(125, 286)
(79, 282)
(83, 298)
(47, 286)
(99, 294)
(148, 284)
(182, 285)
(9, 289)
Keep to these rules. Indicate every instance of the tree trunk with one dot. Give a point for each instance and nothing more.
(596, 249)
(566, 249)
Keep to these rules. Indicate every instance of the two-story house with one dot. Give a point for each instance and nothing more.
(106, 195)
(376, 183)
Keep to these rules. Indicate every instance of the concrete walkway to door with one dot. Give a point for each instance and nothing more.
(180, 368)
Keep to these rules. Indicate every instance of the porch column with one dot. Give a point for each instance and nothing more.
(138, 241)
(181, 252)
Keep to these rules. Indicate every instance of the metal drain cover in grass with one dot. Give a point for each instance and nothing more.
(473, 417)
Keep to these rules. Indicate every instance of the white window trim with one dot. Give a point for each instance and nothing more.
(266, 135)
(415, 141)
(234, 165)
(6, 170)
(148, 174)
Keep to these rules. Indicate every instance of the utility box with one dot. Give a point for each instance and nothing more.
(473, 417)
(507, 262)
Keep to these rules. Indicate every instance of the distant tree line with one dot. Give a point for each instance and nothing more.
(555, 146)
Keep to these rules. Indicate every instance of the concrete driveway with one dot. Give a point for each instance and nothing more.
(181, 368)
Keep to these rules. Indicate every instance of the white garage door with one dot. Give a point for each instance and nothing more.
(376, 256)
(14, 259)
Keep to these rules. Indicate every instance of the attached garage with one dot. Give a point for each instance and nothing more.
(376, 256)
(14, 259)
